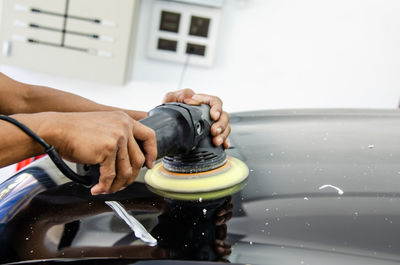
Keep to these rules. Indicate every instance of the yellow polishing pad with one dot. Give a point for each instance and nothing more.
(231, 173)
(200, 196)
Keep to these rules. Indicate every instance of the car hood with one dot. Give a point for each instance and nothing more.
(323, 187)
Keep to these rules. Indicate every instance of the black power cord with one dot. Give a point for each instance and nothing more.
(49, 149)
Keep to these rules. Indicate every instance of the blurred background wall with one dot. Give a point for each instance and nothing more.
(270, 54)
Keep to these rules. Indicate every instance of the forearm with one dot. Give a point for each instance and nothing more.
(41, 99)
(16, 145)
(18, 97)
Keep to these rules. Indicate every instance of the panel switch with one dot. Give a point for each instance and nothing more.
(196, 49)
(170, 21)
(199, 26)
(168, 45)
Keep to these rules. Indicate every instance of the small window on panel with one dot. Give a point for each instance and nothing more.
(196, 49)
(199, 26)
(170, 21)
(167, 45)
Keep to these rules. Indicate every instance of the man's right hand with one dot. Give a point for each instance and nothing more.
(106, 138)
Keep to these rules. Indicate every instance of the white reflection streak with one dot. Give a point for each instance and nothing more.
(135, 225)
(340, 192)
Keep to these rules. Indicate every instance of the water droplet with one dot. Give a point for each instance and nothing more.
(62, 253)
(31, 251)
(202, 233)
(200, 199)
(305, 198)
(356, 213)
(266, 223)
(267, 210)
(251, 243)
(371, 146)
(204, 211)
(26, 238)
(251, 170)
(262, 230)
(185, 245)
(308, 224)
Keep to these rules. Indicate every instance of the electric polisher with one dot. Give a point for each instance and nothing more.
(191, 163)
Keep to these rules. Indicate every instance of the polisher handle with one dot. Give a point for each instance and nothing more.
(178, 127)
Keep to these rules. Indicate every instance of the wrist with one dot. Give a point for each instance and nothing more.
(17, 144)
(49, 126)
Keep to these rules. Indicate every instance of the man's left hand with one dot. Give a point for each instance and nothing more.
(220, 128)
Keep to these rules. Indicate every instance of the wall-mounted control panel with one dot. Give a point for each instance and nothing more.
(87, 39)
(183, 32)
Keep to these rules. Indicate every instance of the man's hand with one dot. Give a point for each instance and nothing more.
(221, 128)
(110, 139)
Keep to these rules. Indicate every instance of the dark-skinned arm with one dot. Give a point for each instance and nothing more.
(17, 97)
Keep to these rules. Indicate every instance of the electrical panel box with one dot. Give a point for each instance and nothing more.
(181, 32)
(86, 39)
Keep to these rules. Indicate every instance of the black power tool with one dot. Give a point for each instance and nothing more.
(183, 138)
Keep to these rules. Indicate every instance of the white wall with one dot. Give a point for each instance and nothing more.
(272, 54)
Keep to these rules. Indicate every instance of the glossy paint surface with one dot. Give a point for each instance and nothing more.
(323, 188)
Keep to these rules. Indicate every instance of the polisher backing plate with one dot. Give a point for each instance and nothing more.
(200, 196)
(234, 171)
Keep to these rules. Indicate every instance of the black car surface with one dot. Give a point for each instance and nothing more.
(323, 188)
